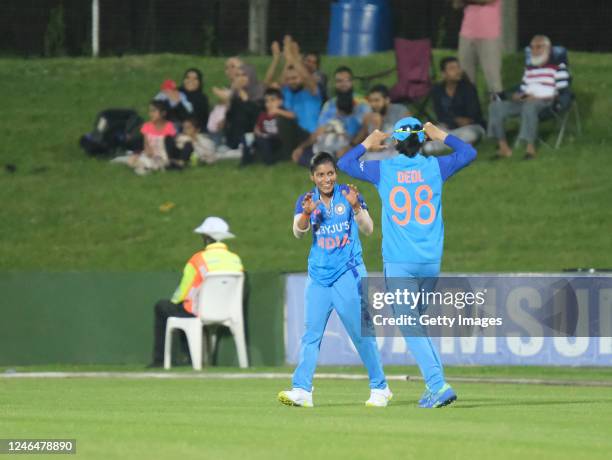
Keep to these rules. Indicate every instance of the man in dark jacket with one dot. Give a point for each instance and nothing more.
(456, 105)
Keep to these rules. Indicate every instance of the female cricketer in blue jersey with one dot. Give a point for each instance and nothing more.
(335, 214)
(410, 187)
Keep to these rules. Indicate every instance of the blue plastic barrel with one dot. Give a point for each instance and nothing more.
(359, 27)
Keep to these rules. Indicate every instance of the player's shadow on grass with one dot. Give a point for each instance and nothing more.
(482, 403)
(352, 404)
(475, 403)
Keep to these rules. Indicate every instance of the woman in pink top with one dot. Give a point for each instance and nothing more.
(480, 40)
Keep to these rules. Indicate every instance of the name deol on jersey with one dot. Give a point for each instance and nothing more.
(411, 176)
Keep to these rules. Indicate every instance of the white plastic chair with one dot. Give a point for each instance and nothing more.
(219, 302)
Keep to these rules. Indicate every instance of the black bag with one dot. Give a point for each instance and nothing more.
(114, 129)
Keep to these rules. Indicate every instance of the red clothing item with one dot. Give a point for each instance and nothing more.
(267, 124)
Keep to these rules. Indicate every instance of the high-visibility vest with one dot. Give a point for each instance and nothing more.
(214, 258)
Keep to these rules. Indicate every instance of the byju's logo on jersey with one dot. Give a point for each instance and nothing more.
(339, 209)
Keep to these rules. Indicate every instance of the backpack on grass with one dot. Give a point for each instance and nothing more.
(114, 130)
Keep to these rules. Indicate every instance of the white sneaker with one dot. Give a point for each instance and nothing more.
(123, 159)
(379, 398)
(234, 154)
(296, 397)
(221, 149)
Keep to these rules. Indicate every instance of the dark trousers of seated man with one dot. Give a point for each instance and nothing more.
(165, 309)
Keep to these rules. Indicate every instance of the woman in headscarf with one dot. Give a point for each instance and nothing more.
(193, 88)
(233, 67)
(242, 110)
(254, 89)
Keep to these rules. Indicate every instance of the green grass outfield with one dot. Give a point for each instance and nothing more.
(216, 418)
(63, 211)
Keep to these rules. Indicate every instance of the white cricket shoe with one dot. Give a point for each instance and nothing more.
(296, 397)
(379, 398)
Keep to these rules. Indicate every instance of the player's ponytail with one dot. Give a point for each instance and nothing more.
(409, 146)
(409, 136)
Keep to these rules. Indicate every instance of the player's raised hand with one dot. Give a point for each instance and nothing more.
(434, 133)
(352, 195)
(374, 141)
(275, 49)
(308, 205)
(297, 154)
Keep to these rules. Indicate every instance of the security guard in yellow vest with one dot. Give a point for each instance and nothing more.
(214, 257)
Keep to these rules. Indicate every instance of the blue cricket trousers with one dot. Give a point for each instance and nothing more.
(345, 297)
(416, 277)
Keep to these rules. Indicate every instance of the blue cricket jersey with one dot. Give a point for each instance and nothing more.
(335, 237)
(411, 194)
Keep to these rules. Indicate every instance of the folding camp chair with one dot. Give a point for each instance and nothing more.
(565, 104)
(414, 74)
(561, 115)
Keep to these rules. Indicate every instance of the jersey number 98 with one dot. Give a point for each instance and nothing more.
(406, 209)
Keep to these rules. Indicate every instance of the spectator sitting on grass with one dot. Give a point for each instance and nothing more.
(339, 121)
(457, 107)
(383, 116)
(354, 108)
(234, 68)
(192, 145)
(178, 105)
(216, 118)
(193, 89)
(241, 113)
(158, 136)
(214, 258)
(275, 131)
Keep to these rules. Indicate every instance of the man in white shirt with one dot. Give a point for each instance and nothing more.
(542, 80)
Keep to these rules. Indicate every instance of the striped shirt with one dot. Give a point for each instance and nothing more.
(546, 81)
